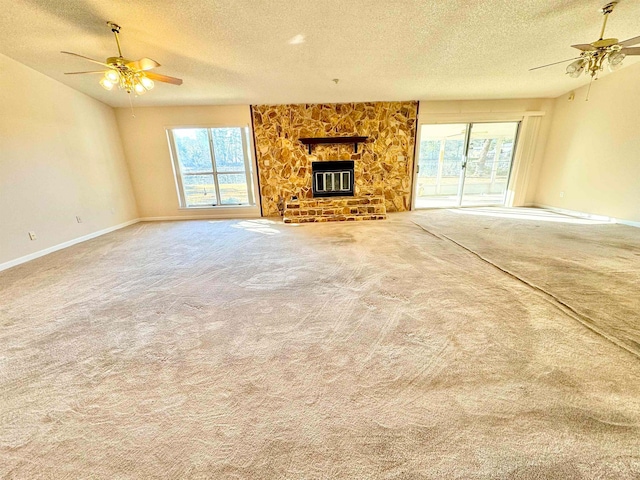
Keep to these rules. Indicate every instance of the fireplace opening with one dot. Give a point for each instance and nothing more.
(333, 178)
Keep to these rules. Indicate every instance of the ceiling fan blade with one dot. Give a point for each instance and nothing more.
(631, 51)
(143, 64)
(629, 42)
(80, 73)
(163, 78)
(87, 58)
(555, 63)
(585, 47)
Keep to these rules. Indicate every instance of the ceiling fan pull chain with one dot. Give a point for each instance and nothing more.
(133, 114)
(589, 90)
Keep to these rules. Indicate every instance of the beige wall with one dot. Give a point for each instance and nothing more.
(60, 156)
(532, 138)
(593, 151)
(428, 107)
(148, 154)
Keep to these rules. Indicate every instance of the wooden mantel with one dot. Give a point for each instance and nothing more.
(311, 141)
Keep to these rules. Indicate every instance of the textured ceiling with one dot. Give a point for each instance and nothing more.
(250, 51)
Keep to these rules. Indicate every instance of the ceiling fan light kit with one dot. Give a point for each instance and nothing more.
(130, 76)
(595, 55)
(130, 82)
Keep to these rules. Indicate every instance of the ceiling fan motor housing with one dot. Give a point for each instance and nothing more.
(117, 60)
(604, 43)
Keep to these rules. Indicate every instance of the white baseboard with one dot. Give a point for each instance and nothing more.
(60, 246)
(628, 223)
(590, 216)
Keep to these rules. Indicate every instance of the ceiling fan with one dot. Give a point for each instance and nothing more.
(129, 75)
(592, 57)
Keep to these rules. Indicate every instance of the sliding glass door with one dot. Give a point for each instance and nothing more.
(489, 158)
(440, 160)
(464, 164)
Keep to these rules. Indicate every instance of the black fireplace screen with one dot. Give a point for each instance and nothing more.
(333, 178)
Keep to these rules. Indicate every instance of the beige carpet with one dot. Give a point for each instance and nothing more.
(249, 349)
(593, 272)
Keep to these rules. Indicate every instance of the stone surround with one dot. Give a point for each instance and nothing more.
(333, 209)
(383, 164)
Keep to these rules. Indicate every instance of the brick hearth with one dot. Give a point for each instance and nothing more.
(334, 209)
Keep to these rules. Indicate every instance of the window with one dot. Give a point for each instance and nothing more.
(212, 166)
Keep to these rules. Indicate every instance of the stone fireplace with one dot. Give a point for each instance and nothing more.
(382, 161)
(333, 197)
(332, 178)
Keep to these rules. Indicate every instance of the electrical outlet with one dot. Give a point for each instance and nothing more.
(561, 194)
(78, 219)
(32, 235)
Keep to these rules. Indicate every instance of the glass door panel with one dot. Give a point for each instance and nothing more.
(440, 161)
(489, 158)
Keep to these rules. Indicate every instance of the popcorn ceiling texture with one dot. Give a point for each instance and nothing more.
(385, 51)
(383, 164)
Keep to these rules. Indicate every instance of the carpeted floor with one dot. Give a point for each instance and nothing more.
(593, 272)
(251, 349)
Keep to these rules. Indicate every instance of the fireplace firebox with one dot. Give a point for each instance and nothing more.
(332, 178)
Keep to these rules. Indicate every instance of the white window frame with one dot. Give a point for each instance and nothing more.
(178, 174)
